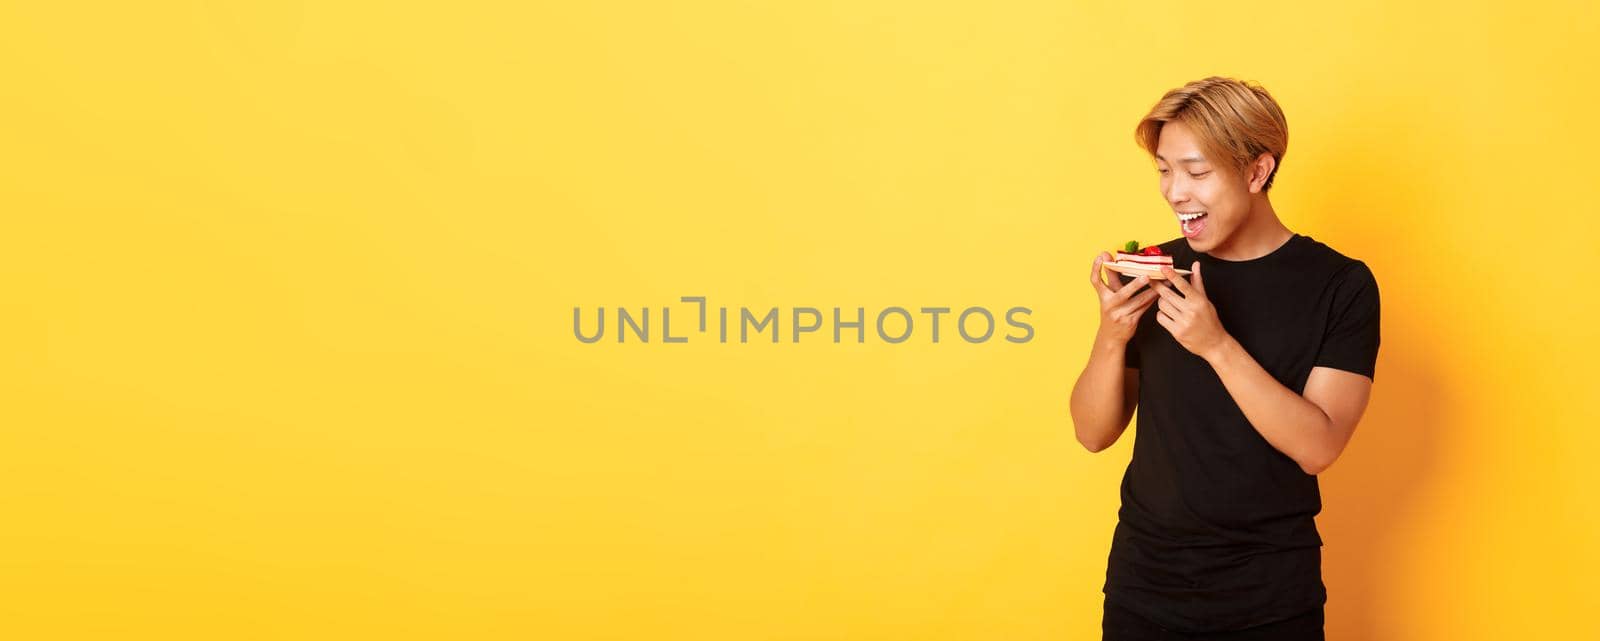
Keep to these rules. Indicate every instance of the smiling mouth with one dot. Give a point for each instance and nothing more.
(1192, 223)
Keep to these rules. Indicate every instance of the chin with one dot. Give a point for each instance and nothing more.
(1211, 240)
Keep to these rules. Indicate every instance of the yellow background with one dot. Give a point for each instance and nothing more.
(287, 297)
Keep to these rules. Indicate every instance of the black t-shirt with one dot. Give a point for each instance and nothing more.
(1216, 530)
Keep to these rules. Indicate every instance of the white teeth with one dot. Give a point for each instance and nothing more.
(1188, 217)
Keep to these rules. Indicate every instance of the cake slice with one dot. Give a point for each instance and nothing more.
(1148, 258)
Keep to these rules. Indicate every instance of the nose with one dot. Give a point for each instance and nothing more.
(1177, 194)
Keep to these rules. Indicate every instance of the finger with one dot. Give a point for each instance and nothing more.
(1133, 286)
(1105, 279)
(1177, 280)
(1146, 300)
(1139, 303)
(1199, 283)
(1165, 320)
(1134, 311)
(1095, 276)
(1169, 296)
(1170, 309)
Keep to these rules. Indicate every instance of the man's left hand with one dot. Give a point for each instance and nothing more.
(1190, 318)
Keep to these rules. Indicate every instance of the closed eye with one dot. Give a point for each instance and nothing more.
(1199, 175)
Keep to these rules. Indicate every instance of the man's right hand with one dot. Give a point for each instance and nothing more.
(1120, 308)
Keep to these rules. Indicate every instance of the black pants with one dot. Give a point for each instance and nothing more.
(1120, 624)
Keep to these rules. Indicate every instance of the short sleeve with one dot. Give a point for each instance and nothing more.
(1351, 340)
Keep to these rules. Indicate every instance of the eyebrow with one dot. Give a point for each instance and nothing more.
(1187, 159)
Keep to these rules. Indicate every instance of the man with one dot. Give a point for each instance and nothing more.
(1249, 376)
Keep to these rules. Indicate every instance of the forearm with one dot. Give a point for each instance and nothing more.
(1099, 399)
(1289, 422)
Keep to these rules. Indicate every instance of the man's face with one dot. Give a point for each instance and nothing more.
(1192, 183)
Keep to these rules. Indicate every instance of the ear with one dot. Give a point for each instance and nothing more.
(1260, 170)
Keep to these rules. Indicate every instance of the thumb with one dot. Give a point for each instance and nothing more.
(1199, 283)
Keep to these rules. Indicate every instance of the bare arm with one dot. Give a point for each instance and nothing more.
(1107, 391)
(1105, 396)
(1312, 429)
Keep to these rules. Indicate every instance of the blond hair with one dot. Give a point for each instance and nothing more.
(1236, 122)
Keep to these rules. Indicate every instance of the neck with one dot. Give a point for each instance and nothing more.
(1261, 233)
